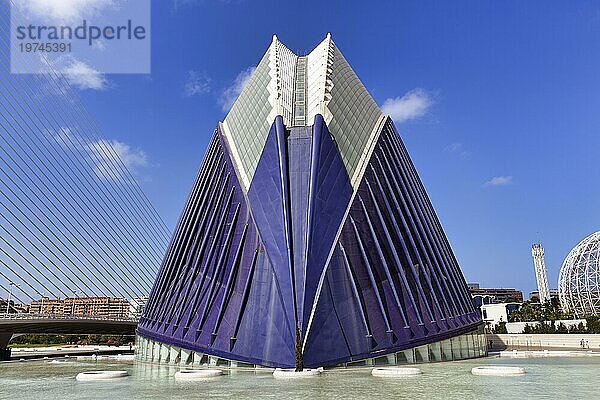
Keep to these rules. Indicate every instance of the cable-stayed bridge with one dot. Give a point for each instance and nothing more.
(74, 222)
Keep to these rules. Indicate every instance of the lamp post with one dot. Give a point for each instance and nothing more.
(10, 285)
(9, 295)
(73, 303)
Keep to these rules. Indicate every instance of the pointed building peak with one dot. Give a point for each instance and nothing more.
(277, 42)
(298, 88)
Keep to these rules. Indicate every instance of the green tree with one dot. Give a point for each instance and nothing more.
(529, 312)
(500, 328)
(526, 313)
(593, 324)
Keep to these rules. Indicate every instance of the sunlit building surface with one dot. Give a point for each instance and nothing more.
(107, 307)
(579, 280)
(308, 237)
(136, 306)
(493, 295)
(539, 263)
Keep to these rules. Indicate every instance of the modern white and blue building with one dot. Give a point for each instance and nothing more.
(308, 237)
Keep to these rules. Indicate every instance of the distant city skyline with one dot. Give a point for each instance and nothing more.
(497, 107)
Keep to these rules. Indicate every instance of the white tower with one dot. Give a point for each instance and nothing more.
(537, 251)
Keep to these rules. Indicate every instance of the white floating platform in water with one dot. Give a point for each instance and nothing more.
(393, 372)
(60, 362)
(197, 374)
(293, 374)
(492, 370)
(101, 375)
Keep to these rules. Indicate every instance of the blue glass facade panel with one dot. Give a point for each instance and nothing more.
(330, 193)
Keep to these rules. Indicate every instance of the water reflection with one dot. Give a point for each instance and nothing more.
(556, 378)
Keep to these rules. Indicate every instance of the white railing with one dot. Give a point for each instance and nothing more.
(26, 316)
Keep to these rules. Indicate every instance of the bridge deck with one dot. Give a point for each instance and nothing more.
(51, 324)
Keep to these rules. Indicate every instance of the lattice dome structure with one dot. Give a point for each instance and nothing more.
(579, 280)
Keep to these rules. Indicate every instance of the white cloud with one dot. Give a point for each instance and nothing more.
(458, 149)
(412, 105)
(64, 137)
(82, 76)
(197, 83)
(64, 10)
(105, 164)
(104, 155)
(454, 147)
(99, 45)
(68, 12)
(499, 181)
(77, 73)
(231, 93)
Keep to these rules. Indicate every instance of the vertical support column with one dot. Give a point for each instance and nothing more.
(409, 355)
(436, 352)
(175, 356)
(4, 350)
(185, 357)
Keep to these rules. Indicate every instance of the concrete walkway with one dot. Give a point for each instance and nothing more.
(544, 353)
(541, 342)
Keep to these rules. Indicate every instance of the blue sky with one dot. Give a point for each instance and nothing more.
(497, 102)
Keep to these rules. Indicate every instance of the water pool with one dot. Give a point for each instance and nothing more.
(546, 378)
